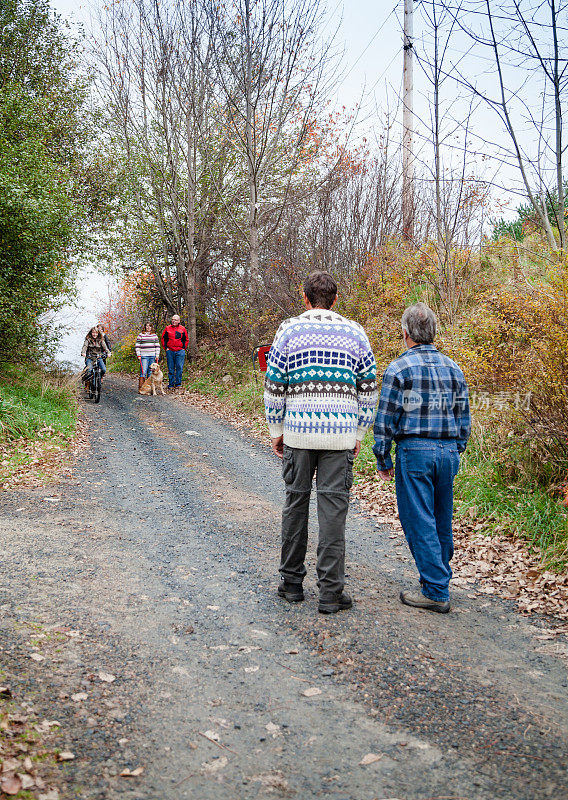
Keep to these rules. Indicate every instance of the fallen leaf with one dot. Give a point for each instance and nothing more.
(17, 719)
(222, 722)
(52, 794)
(28, 781)
(272, 728)
(78, 697)
(292, 652)
(212, 735)
(311, 692)
(66, 755)
(46, 724)
(134, 773)
(5, 691)
(370, 758)
(252, 669)
(272, 780)
(11, 784)
(37, 657)
(213, 608)
(107, 677)
(216, 764)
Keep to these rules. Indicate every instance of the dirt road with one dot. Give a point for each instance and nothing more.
(155, 561)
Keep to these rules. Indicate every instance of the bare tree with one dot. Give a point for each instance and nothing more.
(153, 63)
(270, 70)
(451, 194)
(528, 88)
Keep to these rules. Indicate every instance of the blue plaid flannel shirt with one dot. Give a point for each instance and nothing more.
(424, 393)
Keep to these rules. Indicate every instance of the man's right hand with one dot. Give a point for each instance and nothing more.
(278, 446)
(386, 474)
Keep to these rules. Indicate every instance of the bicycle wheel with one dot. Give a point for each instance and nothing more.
(91, 391)
(97, 387)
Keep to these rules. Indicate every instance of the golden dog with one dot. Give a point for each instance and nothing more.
(154, 381)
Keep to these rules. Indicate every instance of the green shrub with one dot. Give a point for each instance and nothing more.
(503, 482)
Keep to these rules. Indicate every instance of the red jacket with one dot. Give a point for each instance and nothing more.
(175, 338)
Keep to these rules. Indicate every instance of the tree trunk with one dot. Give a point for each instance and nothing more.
(407, 127)
(558, 125)
(252, 184)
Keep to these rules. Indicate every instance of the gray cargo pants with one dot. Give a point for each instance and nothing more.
(334, 479)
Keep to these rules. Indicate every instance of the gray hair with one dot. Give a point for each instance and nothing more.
(419, 322)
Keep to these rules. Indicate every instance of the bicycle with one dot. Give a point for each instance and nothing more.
(94, 382)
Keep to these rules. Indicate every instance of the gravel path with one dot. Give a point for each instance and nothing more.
(155, 561)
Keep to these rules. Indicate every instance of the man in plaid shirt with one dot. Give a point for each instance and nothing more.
(424, 408)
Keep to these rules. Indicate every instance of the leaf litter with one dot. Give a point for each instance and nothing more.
(494, 565)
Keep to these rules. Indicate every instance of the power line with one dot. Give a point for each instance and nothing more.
(362, 53)
(386, 69)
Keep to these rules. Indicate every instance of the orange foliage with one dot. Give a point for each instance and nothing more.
(127, 308)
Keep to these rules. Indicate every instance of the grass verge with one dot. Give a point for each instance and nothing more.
(484, 491)
(38, 415)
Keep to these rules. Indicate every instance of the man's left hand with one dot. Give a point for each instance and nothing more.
(357, 448)
(278, 446)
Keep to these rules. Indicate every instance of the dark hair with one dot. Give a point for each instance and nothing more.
(144, 326)
(321, 289)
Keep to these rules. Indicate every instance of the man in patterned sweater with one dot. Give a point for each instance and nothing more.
(320, 396)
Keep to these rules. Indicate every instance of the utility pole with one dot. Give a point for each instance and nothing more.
(407, 125)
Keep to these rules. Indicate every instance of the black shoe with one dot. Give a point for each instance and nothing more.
(292, 592)
(331, 605)
(418, 600)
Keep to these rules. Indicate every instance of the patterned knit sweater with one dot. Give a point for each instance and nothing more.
(321, 382)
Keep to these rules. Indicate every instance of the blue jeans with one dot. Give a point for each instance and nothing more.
(102, 365)
(424, 472)
(145, 364)
(175, 359)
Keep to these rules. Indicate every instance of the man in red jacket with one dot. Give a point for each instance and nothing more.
(174, 342)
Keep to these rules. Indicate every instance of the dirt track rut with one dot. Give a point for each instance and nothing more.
(159, 553)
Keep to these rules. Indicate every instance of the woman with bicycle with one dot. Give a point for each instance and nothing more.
(95, 349)
(147, 349)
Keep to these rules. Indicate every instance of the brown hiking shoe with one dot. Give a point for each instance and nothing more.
(331, 605)
(418, 600)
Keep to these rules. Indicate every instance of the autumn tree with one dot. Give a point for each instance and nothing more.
(164, 121)
(273, 72)
(41, 141)
(527, 90)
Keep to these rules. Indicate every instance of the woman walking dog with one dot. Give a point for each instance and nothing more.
(147, 349)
